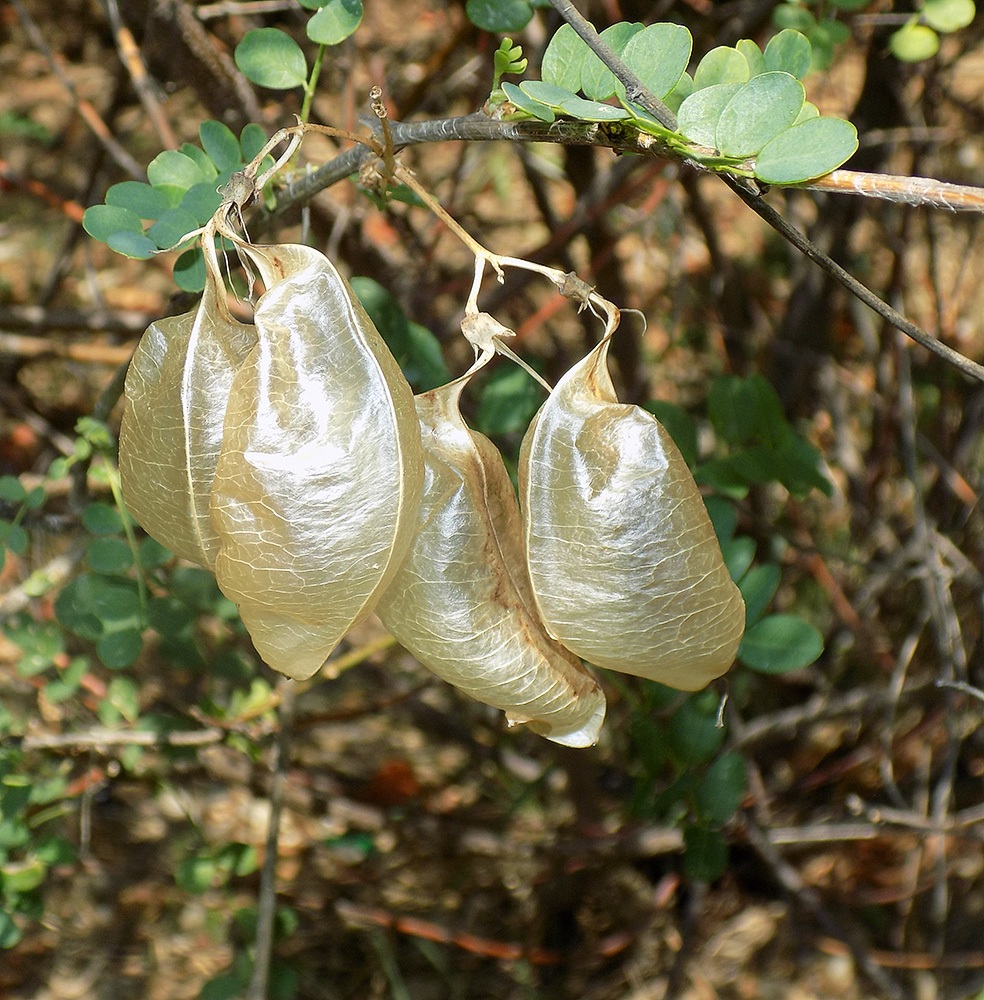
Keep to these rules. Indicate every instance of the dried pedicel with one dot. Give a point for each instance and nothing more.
(317, 485)
(625, 566)
(461, 602)
(177, 386)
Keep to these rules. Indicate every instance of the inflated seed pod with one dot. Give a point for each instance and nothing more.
(174, 407)
(317, 485)
(461, 601)
(625, 566)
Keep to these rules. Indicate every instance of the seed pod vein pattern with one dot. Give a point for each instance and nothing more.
(625, 567)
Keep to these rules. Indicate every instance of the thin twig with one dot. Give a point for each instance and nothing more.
(635, 90)
(267, 900)
(84, 108)
(478, 127)
(131, 59)
(789, 878)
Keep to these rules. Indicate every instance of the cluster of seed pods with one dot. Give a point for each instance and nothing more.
(290, 457)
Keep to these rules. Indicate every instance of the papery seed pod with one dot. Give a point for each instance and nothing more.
(317, 485)
(624, 563)
(461, 602)
(177, 386)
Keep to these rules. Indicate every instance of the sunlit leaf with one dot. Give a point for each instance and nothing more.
(271, 59)
(335, 22)
(765, 106)
(777, 644)
(658, 55)
(811, 149)
(788, 52)
(699, 114)
(722, 65)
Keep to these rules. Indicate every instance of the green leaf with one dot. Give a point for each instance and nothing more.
(152, 554)
(719, 474)
(680, 425)
(201, 201)
(788, 52)
(509, 400)
(102, 519)
(592, 111)
(271, 59)
(948, 15)
(706, 858)
(205, 164)
(10, 933)
(795, 15)
(659, 55)
(336, 20)
(415, 348)
(807, 112)
(39, 643)
(721, 65)
(74, 609)
(499, 15)
(805, 151)
(753, 56)
(174, 168)
(547, 93)
(738, 555)
(563, 58)
(221, 144)
(527, 104)
(758, 586)
(135, 245)
(103, 221)
(143, 200)
(722, 789)
(598, 82)
(68, 680)
(15, 538)
(914, 42)
(745, 410)
(189, 270)
(765, 106)
(252, 140)
(12, 490)
(779, 643)
(172, 227)
(695, 736)
(118, 650)
(35, 498)
(111, 556)
(724, 517)
(699, 113)
(683, 89)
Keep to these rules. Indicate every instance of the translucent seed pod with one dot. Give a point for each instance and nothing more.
(174, 407)
(461, 602)
(624, 563)
(317, 486)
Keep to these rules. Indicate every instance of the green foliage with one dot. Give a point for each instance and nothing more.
(182, 194)
(739, 108)
(502, 15)
(683, 777)
(415, 348)
(916, 40)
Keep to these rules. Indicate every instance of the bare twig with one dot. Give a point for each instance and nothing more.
(130, 57)
(635, 90)
(266, 903)
(789, 878)
(89, 114)
(478, 127)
